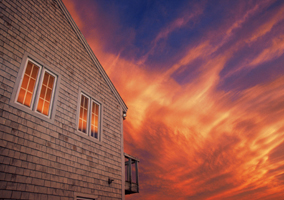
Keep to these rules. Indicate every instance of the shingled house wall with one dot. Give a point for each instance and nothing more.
(40, 159)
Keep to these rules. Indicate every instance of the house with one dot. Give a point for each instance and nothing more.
(61, 118)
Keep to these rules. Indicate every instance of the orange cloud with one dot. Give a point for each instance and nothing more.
(194, 140)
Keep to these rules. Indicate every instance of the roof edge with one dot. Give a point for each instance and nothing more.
(132, 157)
(91, 54)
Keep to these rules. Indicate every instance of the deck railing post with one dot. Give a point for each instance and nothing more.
(136, 170)
(129, 172)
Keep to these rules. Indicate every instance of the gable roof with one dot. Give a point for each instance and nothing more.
(92, 55)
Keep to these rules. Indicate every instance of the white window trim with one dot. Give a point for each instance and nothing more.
(32, 109)
(100, 118)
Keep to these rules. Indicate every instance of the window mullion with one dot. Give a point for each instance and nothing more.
(87, 123)
(90, 117)
(37, 89)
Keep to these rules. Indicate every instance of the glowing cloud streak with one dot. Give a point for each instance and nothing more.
(195, 140)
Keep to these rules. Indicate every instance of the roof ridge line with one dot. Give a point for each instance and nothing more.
(91, 54)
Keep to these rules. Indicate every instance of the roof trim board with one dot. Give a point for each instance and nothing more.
(91, 54)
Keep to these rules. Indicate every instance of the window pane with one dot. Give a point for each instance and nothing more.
(50, 82)
(48, 94)
(45, 94)
(80, 124)
(34, 72)
(31, 85)
(45, 108)
(42, 92)
(29, 68)
(28, 99)
(28, 84)
(25, 81)
(86, 102)
(85, 112)
(93, 119)
(40, 105)
(83, 116)
(97, 109)
(81, 112)
(45, 79)
(84, 126)
(21, 96)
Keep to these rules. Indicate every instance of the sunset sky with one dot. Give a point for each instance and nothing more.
(204, 84)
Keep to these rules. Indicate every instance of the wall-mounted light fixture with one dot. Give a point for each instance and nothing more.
(110, 181)
(124, 115)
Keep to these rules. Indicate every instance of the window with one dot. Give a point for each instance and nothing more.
(36, 88)
(89, 116)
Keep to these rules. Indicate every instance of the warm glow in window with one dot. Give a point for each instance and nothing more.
(37, 88)
(45, 93)
(89, 118)
(83, 114)
(28, 84)
(95, 120)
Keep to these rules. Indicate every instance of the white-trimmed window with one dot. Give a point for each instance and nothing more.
(89, 116)
(36, 89)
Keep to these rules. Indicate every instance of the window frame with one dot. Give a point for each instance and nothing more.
(88, 114)
(37, 88)
(99, 118)
(87, 135)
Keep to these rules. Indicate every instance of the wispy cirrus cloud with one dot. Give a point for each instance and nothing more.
(182, 21)
(178, 23)
(267, 26)
(274, 51)
(195, 140)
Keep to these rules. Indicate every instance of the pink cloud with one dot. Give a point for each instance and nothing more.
(194, 141)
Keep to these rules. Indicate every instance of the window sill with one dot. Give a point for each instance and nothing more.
(32, 112)
(84, 135)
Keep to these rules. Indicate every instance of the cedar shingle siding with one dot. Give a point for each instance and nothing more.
(50, 159)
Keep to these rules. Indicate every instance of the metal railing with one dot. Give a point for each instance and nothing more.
(131, 174)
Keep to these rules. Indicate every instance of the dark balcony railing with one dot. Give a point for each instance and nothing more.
(131, 174)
